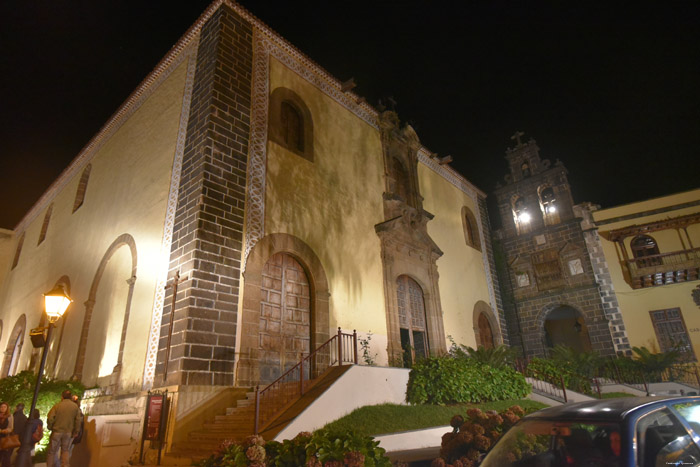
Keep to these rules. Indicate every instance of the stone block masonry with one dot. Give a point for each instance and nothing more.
(208, 229)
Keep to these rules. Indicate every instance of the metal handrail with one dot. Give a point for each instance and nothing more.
(542, 383)
(292, 384)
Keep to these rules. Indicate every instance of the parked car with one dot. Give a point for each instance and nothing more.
(620, 432)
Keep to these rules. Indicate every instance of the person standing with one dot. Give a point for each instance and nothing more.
(6, 427)
(36, 426)
(20, 421)
(64, 420)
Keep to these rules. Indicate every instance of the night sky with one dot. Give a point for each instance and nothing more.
(611, 90)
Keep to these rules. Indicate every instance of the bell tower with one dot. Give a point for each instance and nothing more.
(552, 295)
(536, 194)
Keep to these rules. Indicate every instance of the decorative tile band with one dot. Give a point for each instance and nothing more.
(257, 159)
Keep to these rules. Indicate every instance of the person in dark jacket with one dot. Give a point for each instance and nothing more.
(34, 423)
(20, 421)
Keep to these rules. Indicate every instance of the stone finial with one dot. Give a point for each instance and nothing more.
(516, 137)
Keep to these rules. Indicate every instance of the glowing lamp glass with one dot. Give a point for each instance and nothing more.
(524, 217)
(551, 209)
(56, 302)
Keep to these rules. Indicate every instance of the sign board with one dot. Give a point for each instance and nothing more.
(154, 415)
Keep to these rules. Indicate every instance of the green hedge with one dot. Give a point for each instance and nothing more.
(446, 380)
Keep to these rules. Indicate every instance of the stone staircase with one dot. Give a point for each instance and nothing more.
(236, 424)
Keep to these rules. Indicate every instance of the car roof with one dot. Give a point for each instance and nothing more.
(606, 409)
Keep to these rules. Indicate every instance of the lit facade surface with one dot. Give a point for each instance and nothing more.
(279, 207)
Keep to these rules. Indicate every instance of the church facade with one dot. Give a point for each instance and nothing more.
(233, 214)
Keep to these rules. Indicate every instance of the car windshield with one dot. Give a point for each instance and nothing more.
(555, 443)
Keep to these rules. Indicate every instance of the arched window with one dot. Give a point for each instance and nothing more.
(471, 228)
(525, 168)
(290, 123)
(18, 250)
(412, 322)
(45, 225)
(82, 188)
(645, 248)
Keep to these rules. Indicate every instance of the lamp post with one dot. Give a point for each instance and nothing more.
(56, 302)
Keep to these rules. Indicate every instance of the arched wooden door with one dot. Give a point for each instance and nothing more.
(412, 322)
(485, 332)
(285, 316)
(564, 325)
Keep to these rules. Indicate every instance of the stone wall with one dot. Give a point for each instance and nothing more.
(208, 230)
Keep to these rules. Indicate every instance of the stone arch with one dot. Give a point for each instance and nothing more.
(248, 372)
(121, 241)
(481, 308)
(561, 323)
(435, 332)
(13, 350)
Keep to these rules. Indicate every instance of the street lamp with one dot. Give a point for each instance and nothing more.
(56, 302)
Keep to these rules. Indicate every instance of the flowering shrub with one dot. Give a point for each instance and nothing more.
(447, 380)
(320, 449)
(473, 435)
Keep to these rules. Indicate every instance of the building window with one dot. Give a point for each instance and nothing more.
(290, 123)
(645, 251)
(671, 332)
(521, 215)
(548, 205)
(525, 168)
(20, 242)
(471, 228)
(548, 269)
(412, 322)
(292, 127)
(45, 225)
(82, 188)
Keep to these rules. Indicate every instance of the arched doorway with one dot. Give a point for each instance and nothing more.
(414, 336)
(485, 332)
(285, 316)
(564, 325)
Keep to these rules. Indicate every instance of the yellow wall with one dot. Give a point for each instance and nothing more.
(126, 194)
(461, 268)
(333, 203)
(636, 304)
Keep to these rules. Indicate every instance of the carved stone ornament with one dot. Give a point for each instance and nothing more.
(696, 295)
